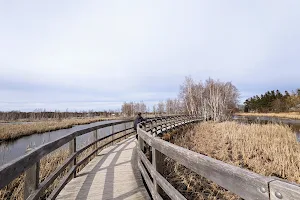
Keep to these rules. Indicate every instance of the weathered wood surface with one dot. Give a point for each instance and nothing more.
(113, 174)
(49, 180)
(159, 179)
(148, 181)
(72, 150)
(65, 180)
(284, 190)
(31, 181)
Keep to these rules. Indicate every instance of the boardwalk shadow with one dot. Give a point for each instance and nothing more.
(109, 170)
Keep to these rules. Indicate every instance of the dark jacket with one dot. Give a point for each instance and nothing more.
(138, 120)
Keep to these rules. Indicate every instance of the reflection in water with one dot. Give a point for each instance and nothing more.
(298, 136)
(17, 148)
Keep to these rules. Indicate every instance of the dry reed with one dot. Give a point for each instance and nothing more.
(14, 131)
(270, 150)
(48, 164)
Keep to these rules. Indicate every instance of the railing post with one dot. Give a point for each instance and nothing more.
(150, 147)
(157, 162)
(125, 132)
(151, 126)
(140, 140)
(31, 182)
(112, 134)
(95, 139)
(72, 149)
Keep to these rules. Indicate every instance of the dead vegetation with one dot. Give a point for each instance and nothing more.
(270, 150)
(13, 131)
(48, 164)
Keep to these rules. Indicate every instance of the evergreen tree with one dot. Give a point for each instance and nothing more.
(272, 101)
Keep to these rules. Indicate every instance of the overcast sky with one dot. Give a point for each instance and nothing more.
(80, 55)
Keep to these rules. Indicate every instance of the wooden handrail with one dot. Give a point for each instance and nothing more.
(242, 182)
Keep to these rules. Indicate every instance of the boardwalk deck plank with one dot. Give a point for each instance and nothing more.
(113, 174)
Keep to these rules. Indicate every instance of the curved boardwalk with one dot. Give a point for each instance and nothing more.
(113, 174)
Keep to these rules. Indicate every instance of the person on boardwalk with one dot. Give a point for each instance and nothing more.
(138, 120)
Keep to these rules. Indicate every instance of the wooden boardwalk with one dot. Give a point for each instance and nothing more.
(113, 174)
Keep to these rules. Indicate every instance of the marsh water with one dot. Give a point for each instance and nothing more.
(292, 123)
(14, 149)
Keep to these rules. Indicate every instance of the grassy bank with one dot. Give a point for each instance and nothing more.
(270, 150)
(14, 131)
(288, 115)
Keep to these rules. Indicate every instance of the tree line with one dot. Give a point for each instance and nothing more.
(274, 101)
(132, 108)
(40, 114)
(211, 99)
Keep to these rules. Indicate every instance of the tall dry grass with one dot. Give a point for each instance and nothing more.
(48, 164)
(42, 114)
(270, 150)
(14, 131)
(288, 115)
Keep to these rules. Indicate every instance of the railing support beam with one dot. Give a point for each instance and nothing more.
(96, 138)
(72, 149)
(157, 162)
(31, 181)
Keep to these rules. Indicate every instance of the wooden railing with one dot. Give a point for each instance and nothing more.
(30, 163)
(242, 182)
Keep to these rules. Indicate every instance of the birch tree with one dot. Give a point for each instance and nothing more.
(211, 100)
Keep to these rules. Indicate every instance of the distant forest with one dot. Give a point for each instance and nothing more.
(274, 101)
(39, 114)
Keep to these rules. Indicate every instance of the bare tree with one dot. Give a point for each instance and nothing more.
(211, 99)
(131, 109)
(161, 107)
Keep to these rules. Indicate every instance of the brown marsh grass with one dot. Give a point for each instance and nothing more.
(14, 131)
(269, 150)
(48, 165)
(288, 115)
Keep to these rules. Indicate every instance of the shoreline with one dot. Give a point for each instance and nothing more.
(292, 115)
(11, 132)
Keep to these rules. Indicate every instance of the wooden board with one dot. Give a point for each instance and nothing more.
(284, 190)
(113, 174)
